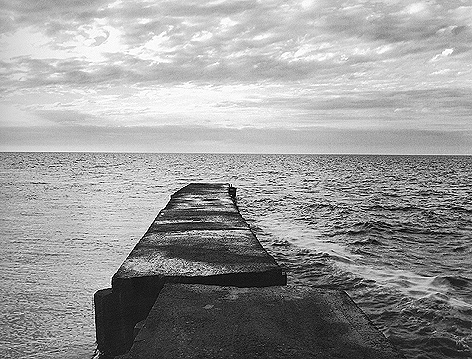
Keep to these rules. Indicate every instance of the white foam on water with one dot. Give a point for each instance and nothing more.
(408, 283)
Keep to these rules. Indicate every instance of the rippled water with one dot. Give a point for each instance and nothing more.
(395, 232)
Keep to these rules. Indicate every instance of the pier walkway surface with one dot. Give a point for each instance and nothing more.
(200, 285)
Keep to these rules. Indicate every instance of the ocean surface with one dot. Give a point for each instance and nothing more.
(395, 232)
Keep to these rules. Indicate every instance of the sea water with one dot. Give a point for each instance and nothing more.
(395, 232)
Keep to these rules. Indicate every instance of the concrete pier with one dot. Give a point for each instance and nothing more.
(200, 321)
(199, 284)
(199, 237)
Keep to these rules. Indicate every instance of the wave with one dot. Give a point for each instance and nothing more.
(323, 206)
(413, 285)
(281, 243)
(466, 210)
(461, 248)
(458, 282)
(366, 227)
(367, 241)
(412, 228)
(391, 207)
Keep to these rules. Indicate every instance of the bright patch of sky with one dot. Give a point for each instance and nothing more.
(385, 66)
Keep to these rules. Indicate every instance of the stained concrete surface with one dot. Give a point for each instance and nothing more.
(200, 233)
(199, 321)
(183, 220)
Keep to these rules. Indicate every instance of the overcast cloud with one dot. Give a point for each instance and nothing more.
(237, 76)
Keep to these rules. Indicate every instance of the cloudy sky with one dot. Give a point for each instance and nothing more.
(311, 76)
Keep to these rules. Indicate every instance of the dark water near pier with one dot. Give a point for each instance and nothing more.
(395, 232)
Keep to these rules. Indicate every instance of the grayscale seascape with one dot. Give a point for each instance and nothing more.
(393, 231)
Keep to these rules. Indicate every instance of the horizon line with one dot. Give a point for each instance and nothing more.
(251, 153)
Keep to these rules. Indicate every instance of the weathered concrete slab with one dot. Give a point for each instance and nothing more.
(203, 197)
(196, 253)
(199, 237)
(198, 321)
(184, 220)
